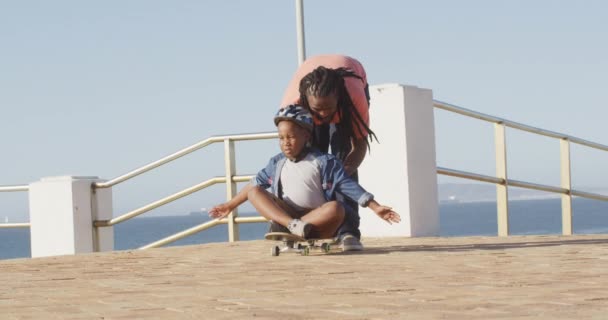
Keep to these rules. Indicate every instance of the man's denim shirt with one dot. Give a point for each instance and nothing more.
(334, 178)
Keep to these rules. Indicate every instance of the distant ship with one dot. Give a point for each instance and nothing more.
(450, 199)
(202, 212)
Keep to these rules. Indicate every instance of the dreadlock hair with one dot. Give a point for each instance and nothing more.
(323, 82)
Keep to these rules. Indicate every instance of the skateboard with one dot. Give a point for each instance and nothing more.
(293, 243)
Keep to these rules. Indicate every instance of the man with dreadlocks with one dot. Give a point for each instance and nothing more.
(334, 88)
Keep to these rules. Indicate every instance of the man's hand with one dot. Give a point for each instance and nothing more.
(220, 211)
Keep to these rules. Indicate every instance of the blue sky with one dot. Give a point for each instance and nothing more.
(101, 88)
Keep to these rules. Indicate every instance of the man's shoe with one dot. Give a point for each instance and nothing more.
(350, 243)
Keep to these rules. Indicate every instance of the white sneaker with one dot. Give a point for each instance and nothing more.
(299, 227)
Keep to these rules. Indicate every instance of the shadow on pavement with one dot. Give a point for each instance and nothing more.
(474, 247)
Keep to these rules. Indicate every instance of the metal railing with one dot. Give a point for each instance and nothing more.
(230, 179)
(18, 188)
(14, 225)
(501, 180)
(229, 139)
(199, 228)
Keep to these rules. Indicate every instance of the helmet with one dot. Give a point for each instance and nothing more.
(295, 113)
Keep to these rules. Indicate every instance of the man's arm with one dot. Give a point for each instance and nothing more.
(355, 157)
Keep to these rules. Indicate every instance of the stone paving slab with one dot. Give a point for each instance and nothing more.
(518, 277)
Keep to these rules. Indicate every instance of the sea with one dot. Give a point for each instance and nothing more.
(457, 219)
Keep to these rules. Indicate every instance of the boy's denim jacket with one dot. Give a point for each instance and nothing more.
(335, 179)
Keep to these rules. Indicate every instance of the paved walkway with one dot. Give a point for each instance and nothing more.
(536, 277)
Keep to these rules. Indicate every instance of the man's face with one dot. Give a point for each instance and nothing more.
(323, 108)
(292, 138)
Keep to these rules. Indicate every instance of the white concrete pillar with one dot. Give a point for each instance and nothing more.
(401, 170)
(62, 211)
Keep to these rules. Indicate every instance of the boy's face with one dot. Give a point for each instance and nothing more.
(323, 108)
(292, 138)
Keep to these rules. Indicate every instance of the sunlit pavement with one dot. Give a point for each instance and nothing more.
(535, 277)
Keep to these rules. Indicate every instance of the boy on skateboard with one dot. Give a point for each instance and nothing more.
(303, 184)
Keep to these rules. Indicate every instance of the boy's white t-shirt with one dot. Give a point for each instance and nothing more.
(301, 183)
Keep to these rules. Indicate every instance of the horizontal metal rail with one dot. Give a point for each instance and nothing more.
(242, 178)
(535, 186)
(516, 125)
(589, 195)
(168, 199)
(199, 228)
(14, 188)
(469, 175)
(18, 188)
(183, 234)
(158, 203)
(517, 183)
(14, 225)
(181, 153)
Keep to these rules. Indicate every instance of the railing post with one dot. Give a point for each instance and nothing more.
(502, 196)
(401, 171)
(62, 213)
(230, 163)
(566, 183)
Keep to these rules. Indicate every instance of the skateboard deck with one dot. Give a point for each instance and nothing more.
(294, 243)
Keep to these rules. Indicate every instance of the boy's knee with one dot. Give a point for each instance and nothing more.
(337, 208)
(255, 191)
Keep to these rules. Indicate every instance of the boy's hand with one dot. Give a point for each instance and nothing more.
(385, 213)
(388, 214)
(220, 211)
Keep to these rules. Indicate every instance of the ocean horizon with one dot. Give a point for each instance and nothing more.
(457, 219)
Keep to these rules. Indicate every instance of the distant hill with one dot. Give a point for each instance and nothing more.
(473, 192)
(477, 192)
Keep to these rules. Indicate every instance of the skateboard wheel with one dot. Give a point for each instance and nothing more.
(305, 251)
(325, 247)
(274, 251)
